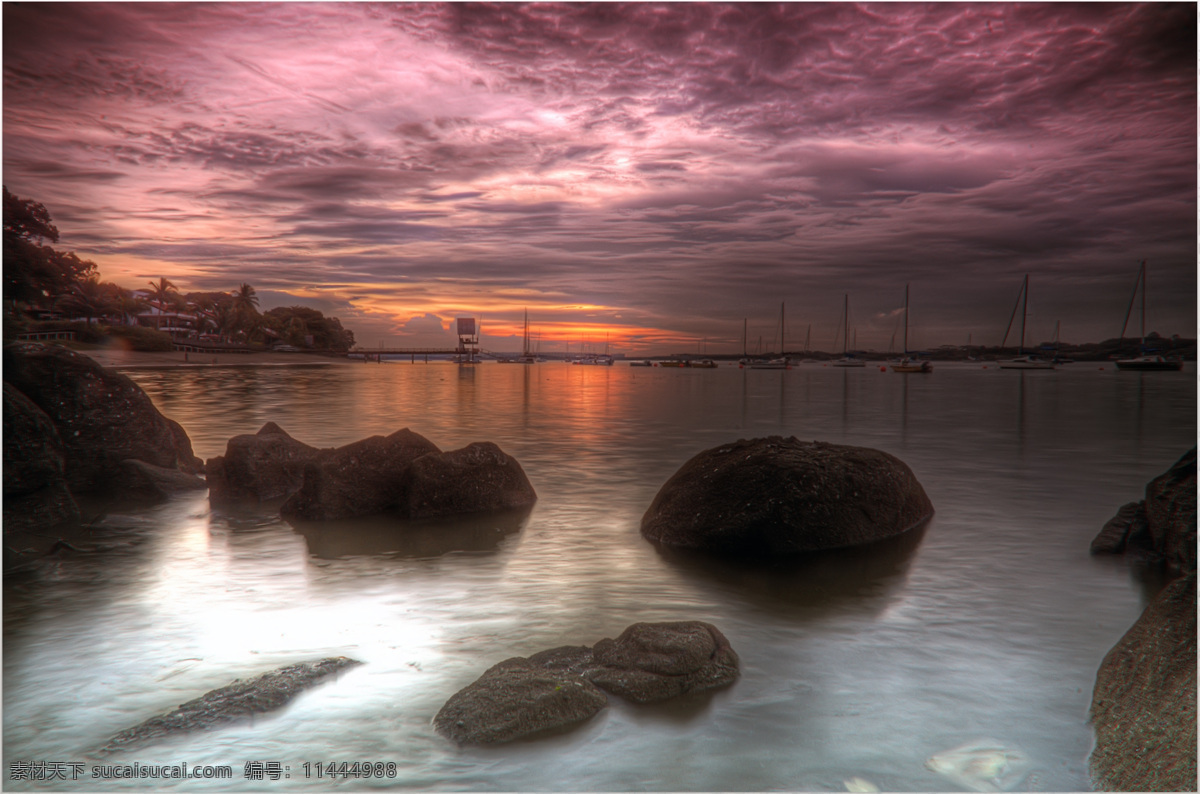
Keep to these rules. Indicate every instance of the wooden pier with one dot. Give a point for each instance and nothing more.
(377, 354)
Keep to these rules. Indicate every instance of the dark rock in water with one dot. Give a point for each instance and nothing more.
(360, 479)
(101, 416)
(36, 498)
(772, 496)
(475, 479)
(647, 663)
(239, 700)
(156, 484)
(1128, 528)
(262, 467)
(1163, 525)
(1171, 513)
(515, 699)
(1144, 703)
(650, 662)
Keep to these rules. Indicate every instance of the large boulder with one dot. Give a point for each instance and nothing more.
(779, 496)
(101, 416)
(556, 688)
(1144, 702)
(651, 662)
(515, 699)
(36, 497)
(262, 467)
(1163, 525)
(360, 479)
(478, 478)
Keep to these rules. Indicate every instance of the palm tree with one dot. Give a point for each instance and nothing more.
(89, 298)
(245, 303)
(162, 291)
(127, 305)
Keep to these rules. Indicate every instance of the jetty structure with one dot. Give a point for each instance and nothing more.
(467, 351)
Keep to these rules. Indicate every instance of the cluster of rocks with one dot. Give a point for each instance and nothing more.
(1144, 702)
(73, 429)
(558, 688)
(404, 474)
(780, 496)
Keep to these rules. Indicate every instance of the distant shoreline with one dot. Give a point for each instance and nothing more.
(132, 359)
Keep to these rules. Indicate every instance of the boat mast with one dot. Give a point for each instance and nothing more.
(906, 319)
(782, 346)
(526, 341)
(1143, 305)
(1024, 305)
(806, 336)
(846, 332)
(744, 325)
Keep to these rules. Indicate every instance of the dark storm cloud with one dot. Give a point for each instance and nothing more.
(681, 160)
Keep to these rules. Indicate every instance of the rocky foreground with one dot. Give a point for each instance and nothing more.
(75, 430)
(1144, 702)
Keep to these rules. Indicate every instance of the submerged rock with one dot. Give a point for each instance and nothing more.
(262, 467)
(556, 688)
(360, 479)
(1144, 702)
(515, 699)
(238, 700)
(101, 416)
(779, 496)
(1161, 526)
(985, 765)
(155, 483)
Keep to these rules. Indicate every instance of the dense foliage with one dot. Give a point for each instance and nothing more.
(40, 281)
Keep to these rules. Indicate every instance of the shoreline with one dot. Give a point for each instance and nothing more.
(132, 359)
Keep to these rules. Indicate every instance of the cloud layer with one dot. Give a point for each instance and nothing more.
(654, 172)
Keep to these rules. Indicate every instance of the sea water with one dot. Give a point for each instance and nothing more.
(984, 628)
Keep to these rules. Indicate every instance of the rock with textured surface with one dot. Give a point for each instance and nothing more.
(1144, 702)
(1161, 526)
(101, 416)
(515, 699)
(556, 688)
(239, 700)
(360, 479)
(262, 467)
(651, 662)
(36, 498)
(780, 496)
(478, 478)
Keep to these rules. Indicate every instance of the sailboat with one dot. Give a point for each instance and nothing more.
(527, 356)
(908, 363)
(1023, 361)
(847, 360)
(1144, 362)
(775, 363)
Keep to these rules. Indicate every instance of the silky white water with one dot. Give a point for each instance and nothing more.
(988, 624)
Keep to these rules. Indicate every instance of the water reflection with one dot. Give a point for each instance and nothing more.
(861, 579)
(372, 535)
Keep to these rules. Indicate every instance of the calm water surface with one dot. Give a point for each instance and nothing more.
(987, 625)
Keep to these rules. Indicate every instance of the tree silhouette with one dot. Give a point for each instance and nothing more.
(162, 293)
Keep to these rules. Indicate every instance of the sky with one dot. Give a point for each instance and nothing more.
(658, 177)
